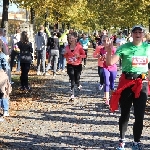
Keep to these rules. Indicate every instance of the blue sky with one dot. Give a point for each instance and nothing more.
(12, 7)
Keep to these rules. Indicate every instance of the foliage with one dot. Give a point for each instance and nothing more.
(87, 14)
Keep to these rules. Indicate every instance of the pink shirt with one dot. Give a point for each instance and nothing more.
(71, 57)
(103, 53)
(96, 55)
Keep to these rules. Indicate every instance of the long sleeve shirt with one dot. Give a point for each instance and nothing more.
(96, 54)
(40, 41)
(74, 57)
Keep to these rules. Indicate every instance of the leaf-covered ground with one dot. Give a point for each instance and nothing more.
(44, 119)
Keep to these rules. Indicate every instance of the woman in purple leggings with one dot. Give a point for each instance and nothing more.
(110, 72)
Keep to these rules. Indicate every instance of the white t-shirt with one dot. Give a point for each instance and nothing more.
(130, 39)
(120, 41)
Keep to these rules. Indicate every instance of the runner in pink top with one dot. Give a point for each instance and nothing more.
(74, 54)
(110, 72)
(96, 54)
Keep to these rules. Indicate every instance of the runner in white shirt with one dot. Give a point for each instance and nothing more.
(119, 41)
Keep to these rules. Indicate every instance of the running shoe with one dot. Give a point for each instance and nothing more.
(137, 146)
(121, 145)
(100, 87)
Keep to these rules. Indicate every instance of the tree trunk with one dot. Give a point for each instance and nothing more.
(32, 12)
(57, 24)
(45, 17)
(4, 23)
(63, 26)
(149, 24)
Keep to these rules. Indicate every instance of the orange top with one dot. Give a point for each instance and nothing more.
(75, 57)
(96, 54)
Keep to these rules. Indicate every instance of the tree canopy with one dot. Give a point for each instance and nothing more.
(90, 14)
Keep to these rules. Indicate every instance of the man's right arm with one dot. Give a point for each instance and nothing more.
(111, 59)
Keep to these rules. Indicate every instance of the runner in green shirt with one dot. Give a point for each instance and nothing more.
(135, 58)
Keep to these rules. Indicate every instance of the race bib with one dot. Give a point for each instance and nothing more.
(103, 58)
(139, 61)
(73, 59)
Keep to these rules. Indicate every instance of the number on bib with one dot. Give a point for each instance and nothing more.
(139, 61)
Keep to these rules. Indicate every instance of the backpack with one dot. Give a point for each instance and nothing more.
(25, 52)
(52, 43)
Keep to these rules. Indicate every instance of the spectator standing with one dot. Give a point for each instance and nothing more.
(25, 59)
(62, 42)
(14, 49)
(41, 41)
(5, 87)
(7, 53)
(53, 44)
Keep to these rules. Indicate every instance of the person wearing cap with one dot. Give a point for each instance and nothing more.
(133, 86)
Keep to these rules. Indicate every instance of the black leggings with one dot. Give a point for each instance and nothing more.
(25, 67)
(139, 104)
(74, 72)
(84, 59)
(101, 74)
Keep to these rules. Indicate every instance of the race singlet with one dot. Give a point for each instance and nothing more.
(139, 61)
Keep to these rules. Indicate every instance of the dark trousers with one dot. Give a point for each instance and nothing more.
(94, 45)
(74, 73)
(41, 58)
(61, 59)
(101, 74)
(126, 100)
(13, 55)
(25, 67)
(54, 55)
(84, 59)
